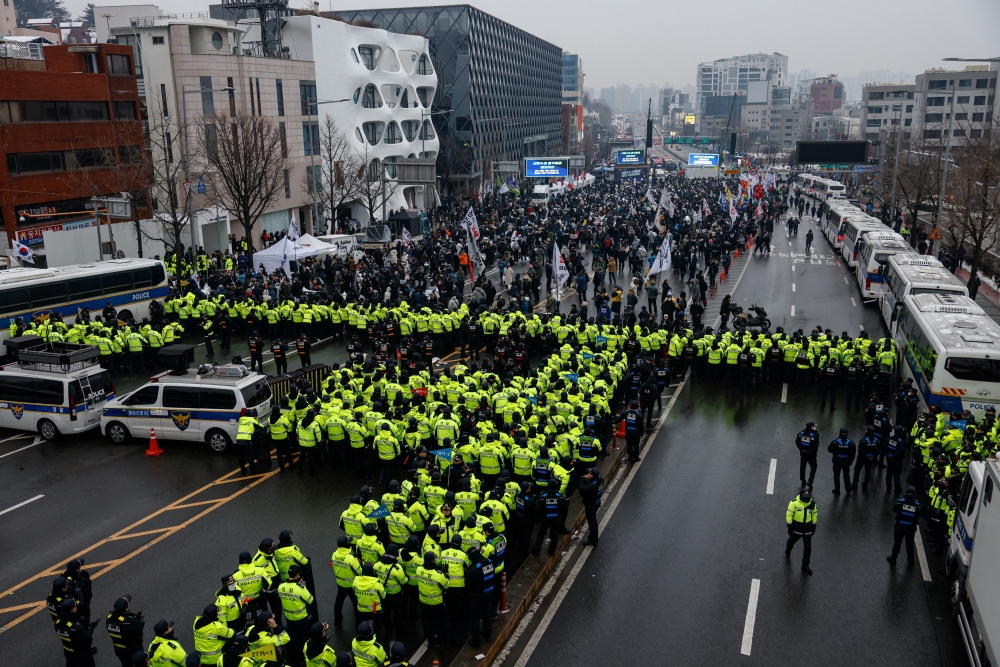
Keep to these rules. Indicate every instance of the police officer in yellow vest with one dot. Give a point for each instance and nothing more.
(210, 635)
(310, 435)
(165, 650)
(227, 602)
(295, 601)
(250, 580)
(244, 443)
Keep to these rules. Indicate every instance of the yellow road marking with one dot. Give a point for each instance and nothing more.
(125, 533)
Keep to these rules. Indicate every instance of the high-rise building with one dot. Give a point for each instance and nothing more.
(959, 104)
(499, 87)
(608, 97)
(730, 75)
(883, 106)
(623, 99)
(826, 93)
(572, 78)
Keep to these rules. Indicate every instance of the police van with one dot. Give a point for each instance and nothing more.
(196, 405)
(53, 389)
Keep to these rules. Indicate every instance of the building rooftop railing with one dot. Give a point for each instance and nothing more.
(152, 21)
(21, 51)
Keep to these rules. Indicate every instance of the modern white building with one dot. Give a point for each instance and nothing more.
(884, 106)
(955, 103)
(729, 75)
(389, 84)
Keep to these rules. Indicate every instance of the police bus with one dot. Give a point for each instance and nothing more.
(837, 213)
(829, 189)
(874, 250)
(127, 284)
(951, 348)
(908, 274)
(854, 228)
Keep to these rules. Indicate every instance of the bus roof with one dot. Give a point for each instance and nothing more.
(916, 259)
(956, 321)
(22, 274)
(882, 244)
(936, 277)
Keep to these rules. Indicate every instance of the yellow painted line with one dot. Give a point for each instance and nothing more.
(125, 533)
(142, 534)
(30, 605)
(222, 480)
(200, 502)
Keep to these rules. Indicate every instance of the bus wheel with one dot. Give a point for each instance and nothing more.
(117, 433)
(47, 429)
(218, 441)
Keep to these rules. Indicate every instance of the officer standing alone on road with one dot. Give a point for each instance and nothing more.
(807, 442)
(907, 511)
(633, 430)
(801, 517)
(591, 490)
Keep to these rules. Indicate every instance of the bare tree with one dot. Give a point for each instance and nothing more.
(338, 179)
(167, 165)
(245, 165)
(918, 175)
(375, 188)
(113, 163)
(972, 203)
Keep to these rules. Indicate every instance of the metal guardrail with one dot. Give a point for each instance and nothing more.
(21, 51)
(152, 21)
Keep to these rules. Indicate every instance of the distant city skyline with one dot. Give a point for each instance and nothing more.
(641, 42)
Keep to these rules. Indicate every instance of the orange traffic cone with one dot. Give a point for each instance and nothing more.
(154, 449)
(736, 253)
(723, 276)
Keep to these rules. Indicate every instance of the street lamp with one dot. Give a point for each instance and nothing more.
(312, 151)
(187, 156)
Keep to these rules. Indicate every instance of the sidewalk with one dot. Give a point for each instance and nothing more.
(988, 297)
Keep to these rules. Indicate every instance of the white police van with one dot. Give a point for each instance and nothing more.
(196, 405)
(52, 389)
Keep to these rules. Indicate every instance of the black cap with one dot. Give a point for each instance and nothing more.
(396, 651)
(59, 583)
(343, 541)
(810, 424)
(210, 611)
(245, 558)
(285, 537)
(365, 630)
(161, 627)
(316, 630)
(141, 659)
(294, 570)
(121, 604)
(843, 431)
(367, 570)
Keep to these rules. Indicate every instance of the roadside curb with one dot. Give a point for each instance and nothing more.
(534, 573)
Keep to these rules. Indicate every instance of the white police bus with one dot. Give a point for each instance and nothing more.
(951, 348)
(911, 273)
(875, 250)
(854, 229)
(127, 284)
(837, 213)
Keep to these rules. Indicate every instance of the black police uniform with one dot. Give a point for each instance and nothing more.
(844, 450)
(480, 583)
(550, 511)
(807, 442)
(895, 452)
(125, 630)
(633, 433)
(867, 449)
(524, 520)
(907, 511)
(591, 493)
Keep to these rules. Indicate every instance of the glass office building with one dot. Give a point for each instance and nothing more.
(500, 89)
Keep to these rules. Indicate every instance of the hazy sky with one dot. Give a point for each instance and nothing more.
(661, 41)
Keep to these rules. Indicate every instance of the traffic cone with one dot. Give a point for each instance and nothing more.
(723, 275)
(736, 254)
(154, 449)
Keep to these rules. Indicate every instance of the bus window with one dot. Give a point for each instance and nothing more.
(142, 278)
(13, 300)
(17, 389)
(49, 392)
(48, 294)
(923, 352)
(113, 283)
(84, 288)
(158, 274)
(973, 370)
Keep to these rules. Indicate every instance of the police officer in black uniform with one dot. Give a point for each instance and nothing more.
(76, 634)
(633, 430)
(524, 517)
(907, 511)
(480, 584)
(125, 630)
(867, 450)
(807, 442)
(895, 452)
(829, 375)
(591, 490)
(844, 450)
(256, 352)
(78, 581)
(649, 393)
(551, 510)
(280, 351)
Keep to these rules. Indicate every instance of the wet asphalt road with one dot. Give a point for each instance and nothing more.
(672, 575)
(671, 580)
(111, 504)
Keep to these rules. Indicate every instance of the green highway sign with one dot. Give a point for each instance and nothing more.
(687, 140)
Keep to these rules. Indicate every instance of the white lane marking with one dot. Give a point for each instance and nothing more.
(789, 243)
(862, 327)
(793, 287)
(793, 268)
(718, 318)
(793, 310)
(15, 437)
(770, 476)
(845, 281)
(38, 439)
(550, 613)
(784, 392)
(419, 653)
(14, 507)
(925, 571)
(751, 617)
(853, 302)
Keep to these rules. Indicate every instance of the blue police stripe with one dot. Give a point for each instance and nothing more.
(96, 304)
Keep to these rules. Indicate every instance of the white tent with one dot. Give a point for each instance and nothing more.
(320, 247)
(283, 252)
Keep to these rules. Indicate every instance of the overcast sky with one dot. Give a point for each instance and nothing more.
(662, 41)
